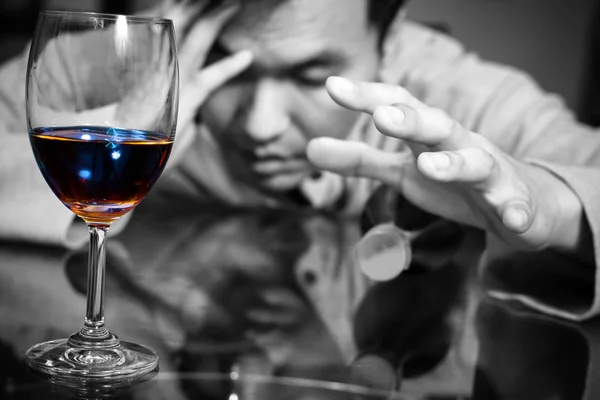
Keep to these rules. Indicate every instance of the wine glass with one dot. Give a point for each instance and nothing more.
(102, 99)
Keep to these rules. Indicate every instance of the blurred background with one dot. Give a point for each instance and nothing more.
(556, 41)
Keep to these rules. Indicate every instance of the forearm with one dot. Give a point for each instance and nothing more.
(528, 123)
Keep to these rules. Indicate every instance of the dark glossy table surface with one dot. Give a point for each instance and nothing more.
(268, 304)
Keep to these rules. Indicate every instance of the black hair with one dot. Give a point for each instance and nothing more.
(382, 14)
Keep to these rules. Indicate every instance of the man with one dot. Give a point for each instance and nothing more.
(264, 119)
(259, 113)
(250, 147)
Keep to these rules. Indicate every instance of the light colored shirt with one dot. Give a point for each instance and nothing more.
(497, 101)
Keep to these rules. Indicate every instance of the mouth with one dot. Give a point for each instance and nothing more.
(272, 164)
(271, 172)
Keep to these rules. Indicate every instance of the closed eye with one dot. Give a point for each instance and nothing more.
(312, 79)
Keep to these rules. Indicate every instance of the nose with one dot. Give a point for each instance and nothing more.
(265, 117)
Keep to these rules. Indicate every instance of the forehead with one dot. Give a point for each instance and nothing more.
(286, 29)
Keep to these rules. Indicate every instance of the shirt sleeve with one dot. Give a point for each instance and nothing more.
(510, 109)
(554, 283)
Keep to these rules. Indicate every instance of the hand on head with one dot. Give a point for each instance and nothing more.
(197, 28)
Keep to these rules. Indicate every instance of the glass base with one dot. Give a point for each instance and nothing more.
(94, 388)
(111, 360)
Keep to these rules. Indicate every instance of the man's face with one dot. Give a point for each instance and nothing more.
(264, 118)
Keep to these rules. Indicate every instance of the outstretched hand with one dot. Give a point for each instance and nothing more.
(450, 171)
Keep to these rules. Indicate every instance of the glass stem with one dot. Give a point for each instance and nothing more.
(94, 316)
(94, 332)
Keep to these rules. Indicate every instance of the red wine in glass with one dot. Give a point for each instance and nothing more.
(100, 173)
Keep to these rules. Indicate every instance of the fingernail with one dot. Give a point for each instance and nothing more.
(342, 85)
(395, 114)
(245, 56)
(516, 217)
(441, 161)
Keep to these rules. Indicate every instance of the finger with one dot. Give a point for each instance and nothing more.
(517, 216)
(202, 35)
(367, 96)
(473, 165)
(183, 14)
(217, 74)
(511, 198)
(425, 126)
(208, 80)
(357, 159)
(499, 183)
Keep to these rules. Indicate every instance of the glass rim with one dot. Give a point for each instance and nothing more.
(132, 18)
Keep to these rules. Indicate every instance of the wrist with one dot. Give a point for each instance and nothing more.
(570, 231)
